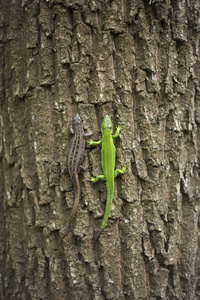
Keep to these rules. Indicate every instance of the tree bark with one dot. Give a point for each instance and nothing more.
(137, 61)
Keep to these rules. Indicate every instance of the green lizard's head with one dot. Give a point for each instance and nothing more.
(107, 124)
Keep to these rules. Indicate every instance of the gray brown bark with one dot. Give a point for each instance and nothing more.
(137, 61)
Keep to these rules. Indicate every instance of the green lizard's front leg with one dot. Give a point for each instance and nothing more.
(90, 142)
(119, 128)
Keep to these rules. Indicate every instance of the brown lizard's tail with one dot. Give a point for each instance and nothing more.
(76, 202)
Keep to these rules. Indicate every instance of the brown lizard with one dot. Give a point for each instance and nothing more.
(75, 158)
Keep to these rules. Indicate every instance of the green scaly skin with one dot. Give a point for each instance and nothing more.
(108, 165)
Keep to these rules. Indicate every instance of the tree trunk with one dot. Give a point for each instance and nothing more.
(137, 61)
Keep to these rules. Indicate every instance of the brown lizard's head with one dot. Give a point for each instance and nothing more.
(77, 119)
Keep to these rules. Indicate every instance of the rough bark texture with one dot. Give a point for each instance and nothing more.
(139, 62)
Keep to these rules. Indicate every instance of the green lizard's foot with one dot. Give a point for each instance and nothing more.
(89, 179)
(93, 179)
(90, 142)
(96, 179)
(125, 168)
(119, 127)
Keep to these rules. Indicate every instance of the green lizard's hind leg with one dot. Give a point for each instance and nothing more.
(90, 142)
(97, 178)
(120, 172)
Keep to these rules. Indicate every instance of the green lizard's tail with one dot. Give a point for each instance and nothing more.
(107, 212)
(98, 234)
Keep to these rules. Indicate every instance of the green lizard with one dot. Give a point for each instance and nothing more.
(108, 165)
